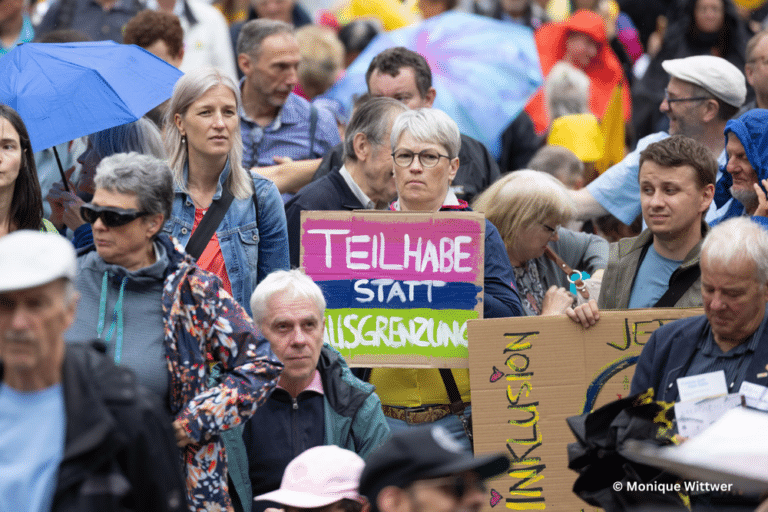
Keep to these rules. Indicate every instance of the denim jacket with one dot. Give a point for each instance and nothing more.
(250, 251)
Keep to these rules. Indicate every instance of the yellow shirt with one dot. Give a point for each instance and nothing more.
(406, 387)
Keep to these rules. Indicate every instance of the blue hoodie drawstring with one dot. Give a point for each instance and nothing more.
(117, 317)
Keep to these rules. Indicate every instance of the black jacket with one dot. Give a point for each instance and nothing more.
(477, 168)
(329, 193)
(119, 450)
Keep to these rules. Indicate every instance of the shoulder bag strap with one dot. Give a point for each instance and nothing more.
(679, 287)
(457, 405)
(312, 129)
(209, 223)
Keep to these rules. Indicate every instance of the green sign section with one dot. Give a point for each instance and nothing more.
(400, 332)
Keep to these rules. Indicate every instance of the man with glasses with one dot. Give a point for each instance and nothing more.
(703, 93)
(426, 470)
(660, 267)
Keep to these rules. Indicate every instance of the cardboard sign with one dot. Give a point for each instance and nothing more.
(529, 374)
(400, 286)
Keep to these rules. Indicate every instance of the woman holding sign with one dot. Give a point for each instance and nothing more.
(425, 148)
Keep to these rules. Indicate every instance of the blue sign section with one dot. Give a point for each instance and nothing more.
(399, 294)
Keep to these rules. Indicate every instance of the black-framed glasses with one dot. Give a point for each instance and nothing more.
(111, 217)
(680, 100)
(457, 486)
(428, 158)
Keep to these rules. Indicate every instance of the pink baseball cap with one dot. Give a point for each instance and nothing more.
(318, 477)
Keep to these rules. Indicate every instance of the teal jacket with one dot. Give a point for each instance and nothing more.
(348, 414)
(353, 416)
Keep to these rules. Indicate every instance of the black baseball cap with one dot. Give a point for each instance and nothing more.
(419, 454)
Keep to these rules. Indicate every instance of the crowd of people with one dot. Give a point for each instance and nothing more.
(160, 346)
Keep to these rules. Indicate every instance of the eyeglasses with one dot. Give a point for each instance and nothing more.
(110, 216)
(676, 100)
(428, 158)
(457, 486)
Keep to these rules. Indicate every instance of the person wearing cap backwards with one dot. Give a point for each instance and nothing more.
(77, 432)
(703, 93)
(321, 479)
(426, 470)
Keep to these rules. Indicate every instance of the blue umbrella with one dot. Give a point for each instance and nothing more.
(65, 91)
(484, 70)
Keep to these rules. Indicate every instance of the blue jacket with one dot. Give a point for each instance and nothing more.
(751, 132)
(349, 413)
(251, 251)
(670, 350)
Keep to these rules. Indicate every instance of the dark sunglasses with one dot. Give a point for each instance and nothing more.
(110, 216)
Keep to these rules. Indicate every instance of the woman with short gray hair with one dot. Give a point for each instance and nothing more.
(168, 320)
(425, 148)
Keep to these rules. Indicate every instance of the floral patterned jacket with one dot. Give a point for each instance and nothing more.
(204, 324)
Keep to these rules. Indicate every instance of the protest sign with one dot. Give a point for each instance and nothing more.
(529, 374)
(400, 286)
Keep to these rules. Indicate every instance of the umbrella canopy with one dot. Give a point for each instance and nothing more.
(484, 70)
(65, 91)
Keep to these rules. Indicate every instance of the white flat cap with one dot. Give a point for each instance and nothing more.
(718, 76)
(31, 258)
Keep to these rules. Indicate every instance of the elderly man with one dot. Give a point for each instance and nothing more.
(317, 400)
(660, 267)
(404, 75)
(703, 93)
(425, 470)
(76, 432)
(277, 125)
(747, 168)
(732, 335)
(365, 180)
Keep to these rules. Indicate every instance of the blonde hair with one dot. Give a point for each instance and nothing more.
(322, 57)
(522, 198)
(187, 90)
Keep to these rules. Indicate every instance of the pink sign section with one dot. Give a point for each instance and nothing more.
(396, 246)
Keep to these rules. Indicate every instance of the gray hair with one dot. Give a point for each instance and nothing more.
(141, 136)
(372, 118)
(147, 177)
(560, 162)
(256, 31)
(566, 89)
(187, 90)
(428, 125)
(738, 239)
(294, 282)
